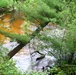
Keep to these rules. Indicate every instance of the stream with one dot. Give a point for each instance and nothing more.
(25, 61)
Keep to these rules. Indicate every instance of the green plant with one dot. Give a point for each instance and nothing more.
(56, 71)
(18, 37)
(7, 66)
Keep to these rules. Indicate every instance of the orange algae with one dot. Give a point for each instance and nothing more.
(9, 25)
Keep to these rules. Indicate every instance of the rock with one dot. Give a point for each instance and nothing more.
(42, 64)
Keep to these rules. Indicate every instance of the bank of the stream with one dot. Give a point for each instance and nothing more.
(39, 35)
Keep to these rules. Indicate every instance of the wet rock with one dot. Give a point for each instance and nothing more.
(43, 63)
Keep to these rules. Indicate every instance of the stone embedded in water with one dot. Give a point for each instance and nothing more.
(42, 63)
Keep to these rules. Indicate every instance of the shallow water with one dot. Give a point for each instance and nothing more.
(12, 26)
(24, 61)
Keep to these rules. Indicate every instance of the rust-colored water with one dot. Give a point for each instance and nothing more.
(9, 25)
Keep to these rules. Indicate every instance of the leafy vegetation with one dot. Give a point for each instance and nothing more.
(7, 66)
(20, 38)
(61, 12)
(64, 50)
